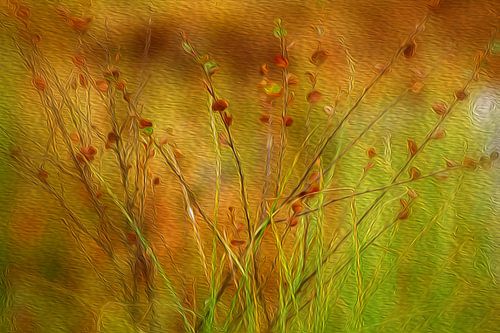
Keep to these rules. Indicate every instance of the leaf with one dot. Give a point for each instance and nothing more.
(273, 89)
(210, 67)
(187, 47)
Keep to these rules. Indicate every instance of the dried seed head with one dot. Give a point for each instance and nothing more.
(220, 105)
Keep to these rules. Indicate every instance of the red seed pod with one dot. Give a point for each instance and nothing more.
(75, 137)
(227, 118)
(156, 181)
(460, 95)
(79, 24)
(132, 238)
(288, 121)
(297, 206)
(414, 173)
(112, 137)
(265, 118)
(144, 123)
(39, 83)
(120, 85)
(410, 49)
(438, 134)
(293, 221)
(43, 175)
(220, 105)
(102, 85)
(280, 61)
(314, 96)
(88, 152)
(371, 152)
(412, 147)
(237, 242)
(23, 13)
(79, 60)
(368, 166)
(469, 163)
(440, 108)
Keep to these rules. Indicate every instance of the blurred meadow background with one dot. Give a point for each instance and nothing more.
(249, 166)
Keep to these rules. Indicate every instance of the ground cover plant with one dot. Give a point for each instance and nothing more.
(157, 178)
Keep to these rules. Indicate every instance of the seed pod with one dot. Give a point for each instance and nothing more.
(297, 206)
(460, 95)
(102, 85)
(220, 105)
(314, 96)
(319, 57)
(414, 173)
(227, 118)
(264, 69)
(440, 108)
(39, 83)
(293, 221)
(145, 123)
(280, 61)
(288, 121)
(410, 49)
(237, 242)
(156, 181)
(371, 152)
(412, 147)
(265, 118)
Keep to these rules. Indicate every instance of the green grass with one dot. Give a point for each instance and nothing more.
(343, 232)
